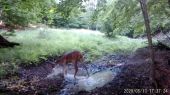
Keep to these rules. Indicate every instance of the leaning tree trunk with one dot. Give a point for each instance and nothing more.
(5, 43)
(148, 31)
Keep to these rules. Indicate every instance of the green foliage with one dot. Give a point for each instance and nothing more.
(69, 14)
(75, 20)
(65, 7)
(111, 16)
(107, 28)
(22, 12)
(65, 13)
(123, 16)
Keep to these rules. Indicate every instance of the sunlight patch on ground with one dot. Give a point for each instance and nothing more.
(84, 31)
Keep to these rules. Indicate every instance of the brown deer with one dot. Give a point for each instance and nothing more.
(73, 57)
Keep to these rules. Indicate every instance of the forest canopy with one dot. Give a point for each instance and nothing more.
(113, 17)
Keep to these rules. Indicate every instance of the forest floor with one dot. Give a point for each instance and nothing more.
(133, 79)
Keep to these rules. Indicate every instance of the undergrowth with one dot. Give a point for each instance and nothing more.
(41, 43)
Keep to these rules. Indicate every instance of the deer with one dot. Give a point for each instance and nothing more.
(75, 57)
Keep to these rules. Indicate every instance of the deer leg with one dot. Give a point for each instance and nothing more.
(76, 69)
(64, 69)
(84, 66)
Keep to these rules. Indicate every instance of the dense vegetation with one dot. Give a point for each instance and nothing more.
(39, 44)
(111, 16)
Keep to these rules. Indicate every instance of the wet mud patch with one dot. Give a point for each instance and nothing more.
(33, 80)
(128, 72)
(133, 79)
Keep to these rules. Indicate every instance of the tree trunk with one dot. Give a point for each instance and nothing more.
(6, 43)
(148, 31)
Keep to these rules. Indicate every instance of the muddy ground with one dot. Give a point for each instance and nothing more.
(133, 78)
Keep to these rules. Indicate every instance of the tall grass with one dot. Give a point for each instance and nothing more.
(40, 43)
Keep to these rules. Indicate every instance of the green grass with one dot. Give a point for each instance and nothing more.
(39, 44)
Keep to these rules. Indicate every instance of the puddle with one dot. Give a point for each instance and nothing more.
(57, 70)
(86, 84)
(82, 83)
(96, 80)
